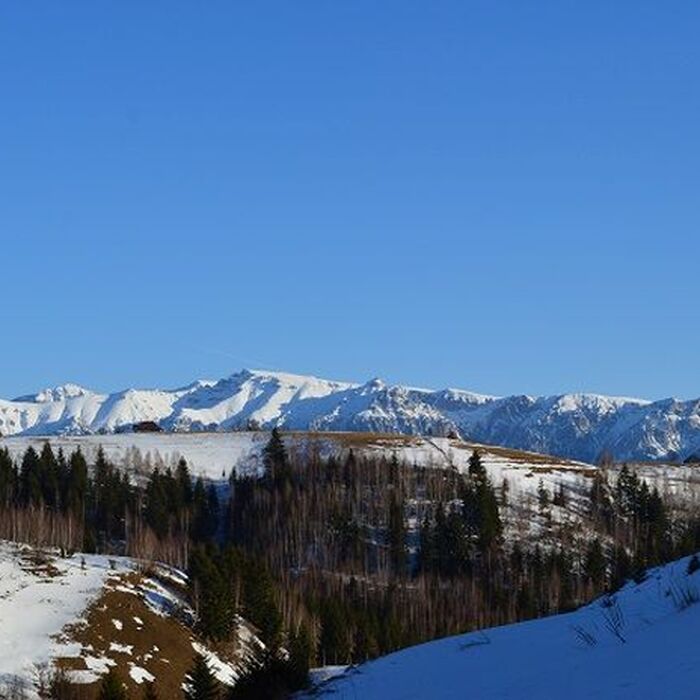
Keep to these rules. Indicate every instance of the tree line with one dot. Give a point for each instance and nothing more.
(341, 558)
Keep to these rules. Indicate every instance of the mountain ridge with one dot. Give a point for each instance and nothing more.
(575, 425)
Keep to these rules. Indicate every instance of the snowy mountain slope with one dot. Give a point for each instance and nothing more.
(87, 613)
(29, 629)
(579, 426)
(638, 643)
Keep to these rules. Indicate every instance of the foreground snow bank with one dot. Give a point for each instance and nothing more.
(638, 643)
(39, 596)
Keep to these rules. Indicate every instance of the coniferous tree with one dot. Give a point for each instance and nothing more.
(184, 484)
(397, 536)
(426, 552)
(480, 505)
(595, 564)
(301, 653)
(275, 459)
(542, 496)
(202, 685)
(48, 470)
(30, 478)
(213, 596)
(111, 687)
(259, 602)
(476, 468)
(270, 679)
(336, 641)
(150, 692)
(157, 508)
(7, 478)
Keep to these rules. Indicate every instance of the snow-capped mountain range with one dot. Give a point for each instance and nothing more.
(580, 426)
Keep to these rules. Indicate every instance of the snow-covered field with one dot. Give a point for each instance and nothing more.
(211, 455)
(216, 455)
(640, 643)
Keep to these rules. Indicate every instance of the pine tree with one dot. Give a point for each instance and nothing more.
(599, 497)
(205, 515)
(270, 679)
(595, 565)
(397, 536)
(112, 688)
(212, 595)
(627, 491)
(542, 496)
(559, 498)
(157, 509)
(275, 459)
(7, 478)
(30, 478)
(184, 483)
(621, 567)
(476, 468)
(300, 657)
(480, 505)
(259, 602)
(202, 684)
(427, 546)
(150, 692)
(49, 476)
(77, 484)
(336, 641)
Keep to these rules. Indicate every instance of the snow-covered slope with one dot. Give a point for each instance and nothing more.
(87, 613)
(639, 643)
(580, 426)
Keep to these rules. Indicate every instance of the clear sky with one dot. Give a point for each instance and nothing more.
(500, 196)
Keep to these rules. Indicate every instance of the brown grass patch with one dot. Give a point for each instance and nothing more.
(160, 645)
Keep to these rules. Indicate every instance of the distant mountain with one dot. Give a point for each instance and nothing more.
(580, 426)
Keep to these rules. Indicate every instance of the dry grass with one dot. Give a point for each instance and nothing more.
(160, 645)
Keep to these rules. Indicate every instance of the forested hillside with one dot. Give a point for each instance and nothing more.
(339, 558)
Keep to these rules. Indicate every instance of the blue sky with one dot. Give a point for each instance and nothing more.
(495, 196)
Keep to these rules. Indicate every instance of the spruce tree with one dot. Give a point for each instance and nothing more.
(476, 468)
(111, 687)
(202, 684)
(300, 656)
(275, 459)
(480, 505)
(397, 537)
(7, 478)
(260, 603)
(542, 496)
(184, 483)
(150, 692)
(595, 564)
(427, 546)
(212, 595)
(30, 478)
